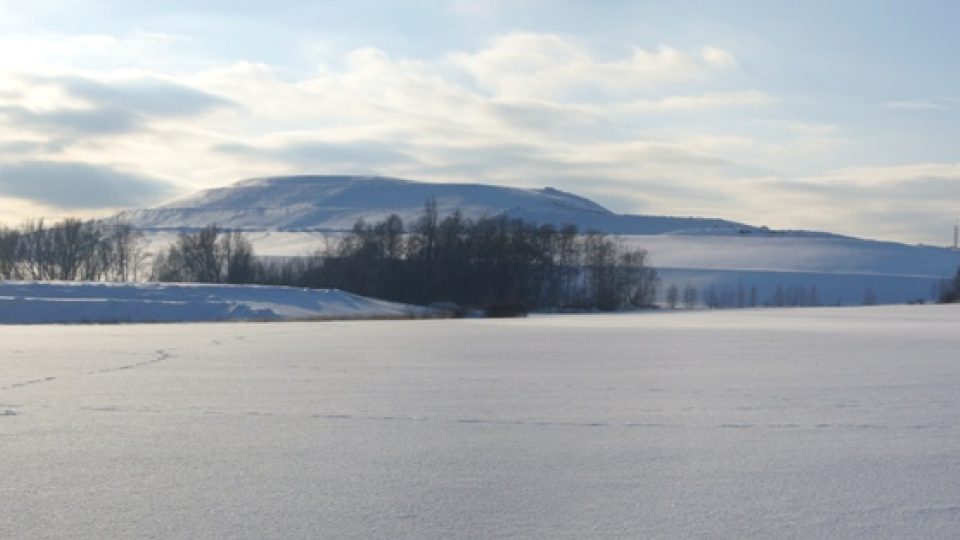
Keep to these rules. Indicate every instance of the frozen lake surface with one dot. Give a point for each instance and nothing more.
(752, 423)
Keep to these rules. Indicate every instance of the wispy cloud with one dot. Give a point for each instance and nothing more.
(545, 66)
(72, 109)
(323, 155)
(707, 101)
(926, 104)
(146, 96)
(877, 202)
(62, 123)
(79, 185)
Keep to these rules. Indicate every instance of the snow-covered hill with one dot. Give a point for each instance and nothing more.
(71, 302)
(334, 203)
(289, 216)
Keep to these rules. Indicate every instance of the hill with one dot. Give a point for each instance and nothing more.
(289, 216)
(335, 203)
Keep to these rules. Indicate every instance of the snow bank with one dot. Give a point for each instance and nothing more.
(70, 302)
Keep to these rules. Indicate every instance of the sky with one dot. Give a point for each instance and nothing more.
(825, 115)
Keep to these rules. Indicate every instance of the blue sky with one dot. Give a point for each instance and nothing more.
(838, 116)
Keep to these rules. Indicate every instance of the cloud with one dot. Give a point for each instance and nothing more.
(420, 106)
(718, 58)
(898, 202)
(322, 154)
(70, 109)
(547, 66)
(73, 122)
(710, 100)
(79, 185)
(16, 148)
(146, 96)
(885, 177)
(545, 117)
(926, 104)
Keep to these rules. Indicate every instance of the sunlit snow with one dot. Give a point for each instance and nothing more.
(30, 302)
(806, 423)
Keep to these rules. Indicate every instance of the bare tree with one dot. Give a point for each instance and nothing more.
(202, 255)
(9, 253)
(673, 296)
(239, 262)
(690, 297)
(34, 249)
(125, 249)
(869, 296)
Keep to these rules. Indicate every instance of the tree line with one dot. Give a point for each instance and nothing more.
(728, 296)
(741, 296)
(71, 250)
(948, 291)
(498, 264)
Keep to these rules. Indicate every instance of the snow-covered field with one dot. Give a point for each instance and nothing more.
(28, 302)
(807, 423)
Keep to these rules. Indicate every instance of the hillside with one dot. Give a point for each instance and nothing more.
(289, 216)
(335, 203)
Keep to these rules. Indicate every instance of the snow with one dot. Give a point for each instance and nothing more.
(841, 268)
(803, 423)
(27, 302)
(337, 202)
(283, 214)
(832, 288)
(829, 254)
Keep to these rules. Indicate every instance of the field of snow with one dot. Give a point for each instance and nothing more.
(809, 423)
(27, 302)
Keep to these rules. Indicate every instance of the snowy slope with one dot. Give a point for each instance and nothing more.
(72, 302)
(844, 270)
(798, 254)
(820, 423)
(336, 202)
(291, 216)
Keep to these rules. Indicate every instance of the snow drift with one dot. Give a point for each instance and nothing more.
(69, 302)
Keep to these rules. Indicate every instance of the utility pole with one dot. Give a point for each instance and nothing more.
(956, 234)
